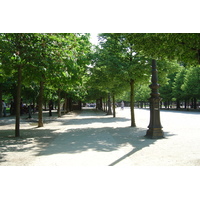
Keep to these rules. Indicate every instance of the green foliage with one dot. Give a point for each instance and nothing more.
(61, 60)
(183, 47)
(177, 88)
(58, 59)
(142, 92)
(166, 89)
(191, 85)
(115, 64)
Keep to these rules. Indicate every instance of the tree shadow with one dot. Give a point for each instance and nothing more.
(29, 140)
(91, 120)
(44, 141)
(105, 139)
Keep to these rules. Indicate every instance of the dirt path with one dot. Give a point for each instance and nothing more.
(91, 138)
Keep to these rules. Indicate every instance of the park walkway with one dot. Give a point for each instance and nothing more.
(91, 138)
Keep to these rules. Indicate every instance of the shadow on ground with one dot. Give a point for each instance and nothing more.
(72, 141)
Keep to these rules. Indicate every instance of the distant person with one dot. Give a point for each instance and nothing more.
(122, 105)
(50, 107)
(12, 107)
(4, 108)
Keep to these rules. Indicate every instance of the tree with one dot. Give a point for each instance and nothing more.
(15, 55)
(45, 59)
(191, 84)
(106, 76)
(131, 66)
(142, 92)
(177, 88)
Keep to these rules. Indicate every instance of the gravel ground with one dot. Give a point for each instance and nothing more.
(91, 138)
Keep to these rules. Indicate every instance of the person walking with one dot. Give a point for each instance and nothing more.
(4, 108)
(122, 105)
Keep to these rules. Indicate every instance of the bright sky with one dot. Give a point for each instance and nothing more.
(93, 38)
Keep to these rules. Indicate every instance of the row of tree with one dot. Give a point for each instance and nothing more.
(32, 63)
(45, 66)
(182, 89)
(118, 66)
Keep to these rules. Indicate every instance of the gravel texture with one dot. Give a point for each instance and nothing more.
(92, 138)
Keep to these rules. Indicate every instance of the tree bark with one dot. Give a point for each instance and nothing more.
(18, 101)
(70, 104)
(109, 105)
(1, 99)
(59, 110)
(65, 105)
(132, 104)
(185, 104)
(40, 103)
(195, 103)
(114, 113)
(178, 104)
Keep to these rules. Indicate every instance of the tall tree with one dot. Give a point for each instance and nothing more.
(15, 55)
(131, 67)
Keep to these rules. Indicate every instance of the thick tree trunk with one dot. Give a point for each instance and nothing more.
(109, 105)
(114, 113)
(18, 101)
(40, 103)
(132, 104)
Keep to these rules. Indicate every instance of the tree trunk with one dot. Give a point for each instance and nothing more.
(195, 103)
(45, 105)
(168, 102)
(105, 105)
(132, 104)
(101, 103)
(114, 113)
(1, 99)
(65, 105)
(40, 103)
(185, 104)
(50, 107)
(29, 111)
(109, 105)
(177, 104)
(18, 101)
(70, 104)
(59, 110)
(80, 105)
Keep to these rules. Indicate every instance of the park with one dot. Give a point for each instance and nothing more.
(46, 81)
